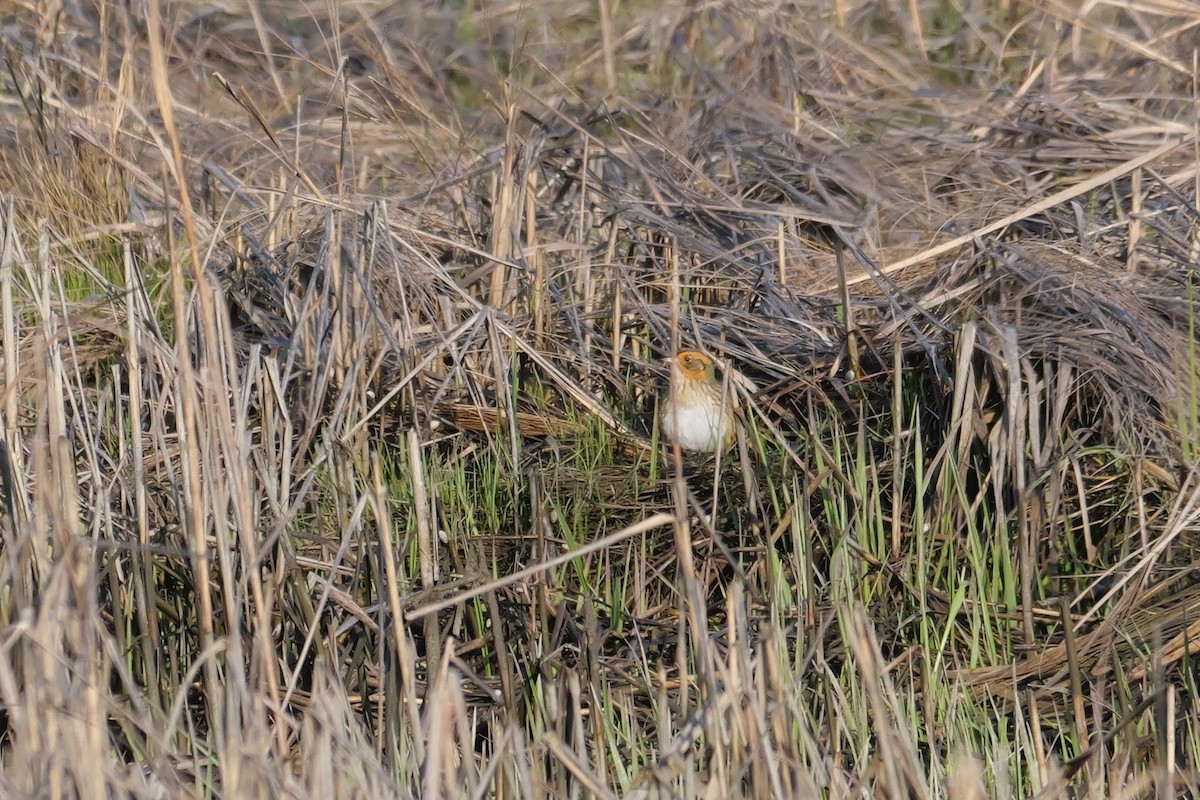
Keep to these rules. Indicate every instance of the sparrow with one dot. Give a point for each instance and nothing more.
(697, 413)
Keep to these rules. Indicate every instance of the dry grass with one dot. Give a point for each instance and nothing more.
(330, 353)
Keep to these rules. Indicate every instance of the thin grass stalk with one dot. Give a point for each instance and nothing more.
(193, 510)
(426, 552)
(144, 584)
(405, 652)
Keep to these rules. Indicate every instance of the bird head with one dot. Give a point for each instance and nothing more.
(692, 365)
